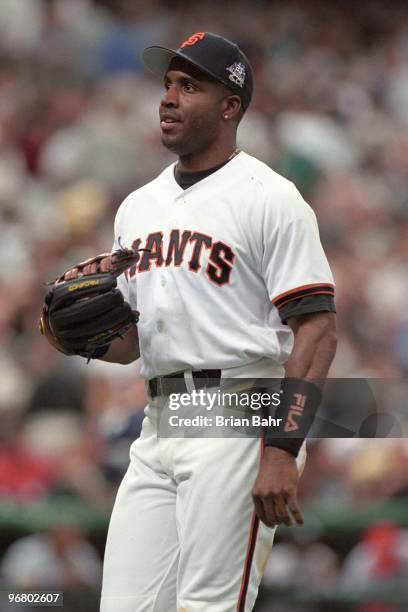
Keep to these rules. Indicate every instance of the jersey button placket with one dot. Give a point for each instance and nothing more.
(175, 218)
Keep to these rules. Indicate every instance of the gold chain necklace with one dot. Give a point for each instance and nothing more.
(233, 154)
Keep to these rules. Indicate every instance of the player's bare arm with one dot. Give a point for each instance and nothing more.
(315, 343)
(275, 489)
(124, 350)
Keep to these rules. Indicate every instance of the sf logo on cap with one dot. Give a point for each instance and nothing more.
(194, 38)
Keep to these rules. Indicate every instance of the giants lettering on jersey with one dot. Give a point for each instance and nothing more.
(185, 247)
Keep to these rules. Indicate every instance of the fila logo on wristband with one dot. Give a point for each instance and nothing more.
(295, 411)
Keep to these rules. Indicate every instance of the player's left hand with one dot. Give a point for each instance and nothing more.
(84, 310)
(275, 489)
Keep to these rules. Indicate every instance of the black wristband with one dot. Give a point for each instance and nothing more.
(299, 401)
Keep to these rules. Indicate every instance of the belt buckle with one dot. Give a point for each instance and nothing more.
(201, 381)
(206, 380)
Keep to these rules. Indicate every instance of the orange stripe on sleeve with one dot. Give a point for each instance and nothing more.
(301, 288)
(297, 297)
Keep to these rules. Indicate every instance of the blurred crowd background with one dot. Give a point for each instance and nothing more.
(78, 131)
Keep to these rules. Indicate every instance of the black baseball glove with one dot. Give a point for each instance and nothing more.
(83, 315)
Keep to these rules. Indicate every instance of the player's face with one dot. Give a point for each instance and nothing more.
(190, 110)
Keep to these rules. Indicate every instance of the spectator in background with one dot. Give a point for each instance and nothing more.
(25, 475)
(114, 404)
(303, 562)
(60, 558)
(379, 560)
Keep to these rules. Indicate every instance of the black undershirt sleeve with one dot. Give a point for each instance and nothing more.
(307, 305)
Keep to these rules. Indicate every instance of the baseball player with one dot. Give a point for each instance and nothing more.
(233, 283)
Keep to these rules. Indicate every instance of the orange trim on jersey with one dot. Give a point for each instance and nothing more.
(248, 563)
(278, 297)
(299, 297)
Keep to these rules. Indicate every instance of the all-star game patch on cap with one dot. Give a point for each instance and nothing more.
(214, 55)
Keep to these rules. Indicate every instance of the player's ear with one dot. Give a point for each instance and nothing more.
(231, 107)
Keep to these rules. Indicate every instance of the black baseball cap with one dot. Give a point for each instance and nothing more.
(214, 55)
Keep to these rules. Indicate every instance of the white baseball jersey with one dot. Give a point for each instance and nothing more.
(223, 257)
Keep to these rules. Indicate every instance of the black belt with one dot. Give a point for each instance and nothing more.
(175, 383)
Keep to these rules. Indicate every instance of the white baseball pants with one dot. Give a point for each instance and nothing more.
(183, 535)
